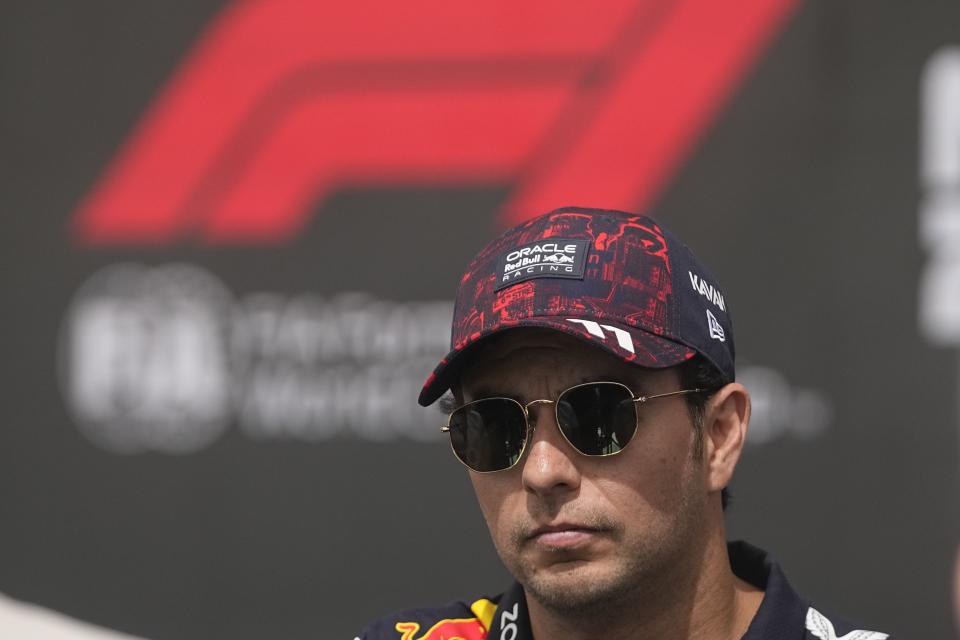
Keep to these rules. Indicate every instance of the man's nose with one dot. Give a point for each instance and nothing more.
(551, 464)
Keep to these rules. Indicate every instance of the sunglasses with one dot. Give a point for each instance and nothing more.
(597, 418)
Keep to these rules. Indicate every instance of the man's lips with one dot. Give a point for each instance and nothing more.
(563, 535)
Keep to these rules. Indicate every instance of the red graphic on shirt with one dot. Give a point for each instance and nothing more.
(282, 102)
(453, 629)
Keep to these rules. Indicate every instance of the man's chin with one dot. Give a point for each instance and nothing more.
(575, 585)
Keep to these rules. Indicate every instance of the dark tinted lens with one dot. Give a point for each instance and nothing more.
(598, 419)
(488, 435)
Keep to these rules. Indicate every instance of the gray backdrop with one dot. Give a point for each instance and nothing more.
(210, 439)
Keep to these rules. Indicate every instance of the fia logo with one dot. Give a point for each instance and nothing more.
(716, 331)
(144, 358)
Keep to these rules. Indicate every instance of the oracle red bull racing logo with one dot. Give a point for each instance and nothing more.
(281, 103)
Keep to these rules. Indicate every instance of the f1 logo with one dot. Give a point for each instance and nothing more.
(596, 329)
(281, 102)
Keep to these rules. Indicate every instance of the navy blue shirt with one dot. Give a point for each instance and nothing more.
(783, 614)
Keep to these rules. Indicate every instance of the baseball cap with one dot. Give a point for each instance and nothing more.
(617, 280)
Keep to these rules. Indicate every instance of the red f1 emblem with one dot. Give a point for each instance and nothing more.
(283, 101)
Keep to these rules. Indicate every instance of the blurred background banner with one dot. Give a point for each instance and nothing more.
(234, 233)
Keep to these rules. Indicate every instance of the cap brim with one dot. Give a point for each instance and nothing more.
(643, 348)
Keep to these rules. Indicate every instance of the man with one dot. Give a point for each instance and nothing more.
(596, 410)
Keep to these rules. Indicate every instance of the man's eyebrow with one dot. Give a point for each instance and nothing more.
(490, 392)
(639, 387)
(448, 404)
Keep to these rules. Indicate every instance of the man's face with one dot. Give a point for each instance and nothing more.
(581, 532)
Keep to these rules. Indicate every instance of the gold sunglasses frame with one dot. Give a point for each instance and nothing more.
(530, 426)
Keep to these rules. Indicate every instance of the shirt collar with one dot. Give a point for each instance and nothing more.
(782, 612)
(511, 614)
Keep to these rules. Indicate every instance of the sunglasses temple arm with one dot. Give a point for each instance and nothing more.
(643, 399)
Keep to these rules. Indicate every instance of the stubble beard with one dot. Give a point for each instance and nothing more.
(643, 568)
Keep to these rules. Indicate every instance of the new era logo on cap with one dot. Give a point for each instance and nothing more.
(716, 331)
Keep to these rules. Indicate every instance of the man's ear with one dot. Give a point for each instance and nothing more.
(725, 421)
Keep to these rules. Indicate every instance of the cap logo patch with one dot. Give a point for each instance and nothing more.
(707, 290)
(547, 258)
(716, 331)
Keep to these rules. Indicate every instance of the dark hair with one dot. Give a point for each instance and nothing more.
(700, 373)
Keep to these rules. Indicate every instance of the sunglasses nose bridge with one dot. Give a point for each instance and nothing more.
(526, 411)
(533, 403)
(527, 406)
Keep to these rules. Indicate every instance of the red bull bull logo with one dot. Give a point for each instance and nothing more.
(450, 629)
